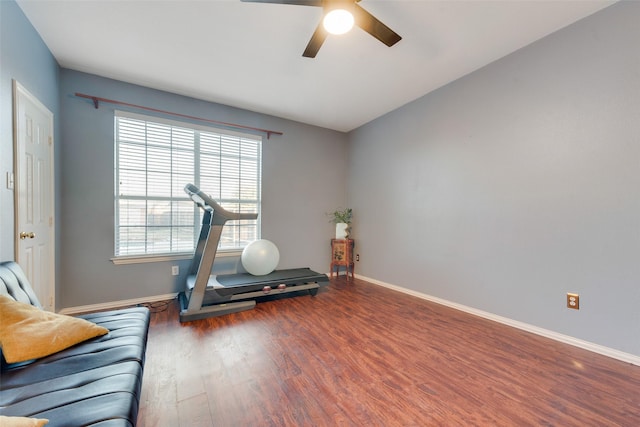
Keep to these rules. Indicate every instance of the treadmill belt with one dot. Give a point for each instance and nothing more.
(277, 276)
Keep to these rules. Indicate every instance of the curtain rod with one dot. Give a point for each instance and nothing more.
(96, 103)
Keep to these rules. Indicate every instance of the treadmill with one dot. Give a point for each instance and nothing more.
(206, 295)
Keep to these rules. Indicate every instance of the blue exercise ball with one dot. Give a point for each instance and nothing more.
(260, 257)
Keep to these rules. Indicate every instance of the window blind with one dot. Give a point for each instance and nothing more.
(156, 158)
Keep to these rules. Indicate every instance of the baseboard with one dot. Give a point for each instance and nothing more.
(586, 345)
(596, 348)
(116, 304)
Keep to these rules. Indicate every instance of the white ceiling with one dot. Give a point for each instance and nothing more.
(249, 55)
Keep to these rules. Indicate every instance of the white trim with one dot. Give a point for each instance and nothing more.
(116, 304)
(141, 259)
(586, 345)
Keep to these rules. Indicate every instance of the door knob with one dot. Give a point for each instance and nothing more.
(30, 235)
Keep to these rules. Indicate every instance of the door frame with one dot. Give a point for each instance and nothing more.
(21, 95)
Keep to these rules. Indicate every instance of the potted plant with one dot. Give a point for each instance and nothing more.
(342, 219)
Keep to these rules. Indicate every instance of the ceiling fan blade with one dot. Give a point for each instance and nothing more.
(318, 37)
(371, 25)
(294, 2)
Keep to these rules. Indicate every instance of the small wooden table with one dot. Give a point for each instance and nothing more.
(342, 255)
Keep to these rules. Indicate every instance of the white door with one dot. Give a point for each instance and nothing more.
(34, 191)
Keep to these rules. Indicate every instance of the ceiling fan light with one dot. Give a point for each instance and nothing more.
(338, 21)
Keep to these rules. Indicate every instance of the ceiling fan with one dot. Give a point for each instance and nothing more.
(358, 16)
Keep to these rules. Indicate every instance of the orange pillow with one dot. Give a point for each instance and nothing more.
(21, 422)
(27, 332)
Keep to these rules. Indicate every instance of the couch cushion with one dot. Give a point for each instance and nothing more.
(96, 383)
(15, 284)
(27, 332)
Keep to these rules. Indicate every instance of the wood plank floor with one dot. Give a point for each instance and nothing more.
(361, 355)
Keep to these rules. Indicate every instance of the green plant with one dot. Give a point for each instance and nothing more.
(344, 215)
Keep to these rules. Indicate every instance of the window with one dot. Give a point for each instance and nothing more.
(155, 159)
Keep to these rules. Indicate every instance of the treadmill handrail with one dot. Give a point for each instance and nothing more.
(206, 202)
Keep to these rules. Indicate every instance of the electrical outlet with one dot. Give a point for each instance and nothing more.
(357, 257)
(175, 270)
(573, 301)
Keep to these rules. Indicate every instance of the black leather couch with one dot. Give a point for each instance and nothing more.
(94, 383)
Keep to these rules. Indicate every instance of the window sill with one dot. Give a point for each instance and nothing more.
(141, 259)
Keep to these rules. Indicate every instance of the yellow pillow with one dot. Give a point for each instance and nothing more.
(21, 422)
(26, 332)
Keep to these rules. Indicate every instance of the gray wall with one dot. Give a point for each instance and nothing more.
(25, 58)
(304, 175)
(516, 184)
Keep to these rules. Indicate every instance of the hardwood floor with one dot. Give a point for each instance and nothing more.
(361, 355)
